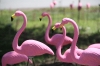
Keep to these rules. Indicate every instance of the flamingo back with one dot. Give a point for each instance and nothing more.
(96, 45)
(93, 56)
(57, 38)
(34, 47)
(13, 57)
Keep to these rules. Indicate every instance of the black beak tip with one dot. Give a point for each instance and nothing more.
(12, 19)
(52, 30)
(40, 19)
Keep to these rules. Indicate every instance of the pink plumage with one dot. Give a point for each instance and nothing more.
(51, 5)
(66, 57)
(96, 45)
(13, 57)
(71, 6)
(88, 5)
(79, 5)
(89, 56)
(54, 2)
(55, 39)
(29, 47)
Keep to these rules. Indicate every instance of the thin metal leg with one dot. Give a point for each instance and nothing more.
(27, 61)
(54, 58)
(33, 62)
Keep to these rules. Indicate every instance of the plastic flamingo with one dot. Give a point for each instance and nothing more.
(88, 5)
(89, 56)
(66, 57)
(54, 40)
(51, 5)
(71, 6)
(96, 45)
(54, 2)
(79, 8)
(13, 57)
(28, 47)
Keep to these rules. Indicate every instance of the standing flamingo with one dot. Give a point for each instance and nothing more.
(89, 56)
(13, 57)
(54, 40)
(66, 57)
(51, 5)
(71, 8)
(87, 6)
(79, 8)
(28, 47)
(54, 2)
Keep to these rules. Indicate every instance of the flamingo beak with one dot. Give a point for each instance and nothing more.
(12, 17)
(54, 28)
(40, 18)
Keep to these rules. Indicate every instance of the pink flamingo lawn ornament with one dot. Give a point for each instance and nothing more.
(79, 9)
(89, 56)
(28, 47)
(57, 37)
(13, 57)
(66, 57)
(54, 40)
(87, 6)
(71, 8)
(51, 5)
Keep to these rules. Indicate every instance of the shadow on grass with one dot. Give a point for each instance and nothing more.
(7, 34)
(58, 64)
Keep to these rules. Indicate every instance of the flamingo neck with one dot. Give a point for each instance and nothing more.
(47, 38)
(15, 40)
(58, 53)
(74, 55)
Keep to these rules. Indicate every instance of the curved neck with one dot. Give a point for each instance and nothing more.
(58, 53)
(47, 38)
(15, 40)
(75, 38)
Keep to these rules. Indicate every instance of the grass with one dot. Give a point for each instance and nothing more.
(86, 27)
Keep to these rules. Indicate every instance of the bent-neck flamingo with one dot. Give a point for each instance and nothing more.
(89, 56)
(66, 57)
(13, 57)
(54, 40)
(28, 47)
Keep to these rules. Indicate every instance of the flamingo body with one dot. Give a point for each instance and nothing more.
(96, 45)
(66, 57)
(13, 57)
(71, 6)
(89, 56)
(28, 47)
(34, 47)
(55, 39)
(51, 5)
(88, 5)
(92, 56)
(54, 2)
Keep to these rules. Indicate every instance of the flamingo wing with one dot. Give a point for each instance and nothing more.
(34, 47)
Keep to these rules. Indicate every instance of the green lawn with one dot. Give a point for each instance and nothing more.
(86, 27)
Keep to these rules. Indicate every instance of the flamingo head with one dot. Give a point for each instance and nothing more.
(64, 21)
(43, 15)
(57, 25)
(17, 13)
